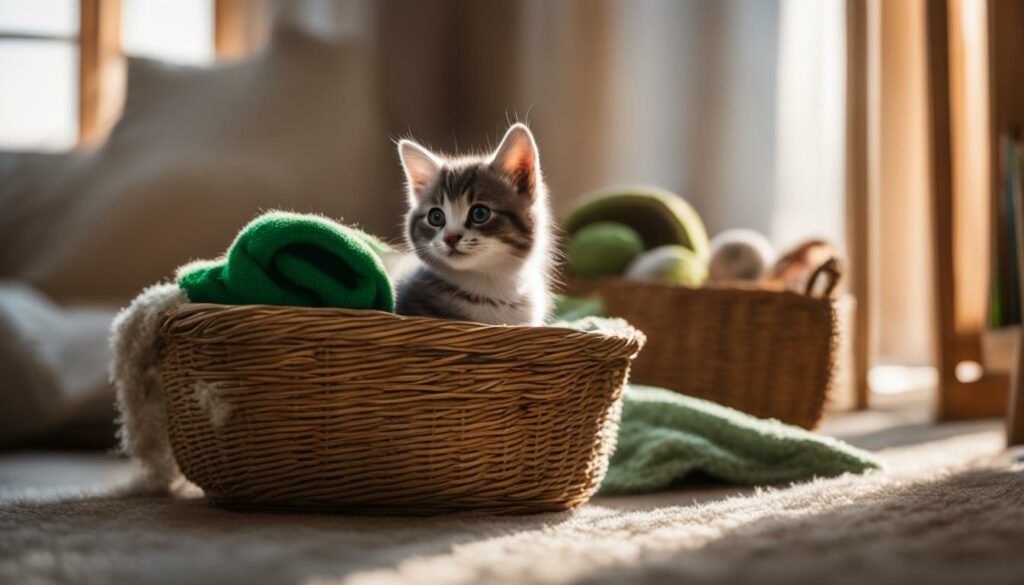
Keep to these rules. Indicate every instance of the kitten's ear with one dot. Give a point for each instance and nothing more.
(421, 167)
(517, 158)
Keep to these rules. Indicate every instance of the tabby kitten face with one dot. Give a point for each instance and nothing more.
(474, 214)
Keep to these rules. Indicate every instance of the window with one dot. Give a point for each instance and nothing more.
(59, 74)
(178, 31)
(38, 74)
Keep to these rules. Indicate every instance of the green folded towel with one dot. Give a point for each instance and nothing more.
(663, 436)
(292, 259)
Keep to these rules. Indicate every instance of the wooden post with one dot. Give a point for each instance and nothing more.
(99, 48)
(238, 27)
(957, 399)
(937, 31)
(858, 193)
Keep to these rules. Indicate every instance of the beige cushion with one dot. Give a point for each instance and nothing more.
(196, 154)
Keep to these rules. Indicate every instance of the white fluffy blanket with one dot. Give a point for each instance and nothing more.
(53, 367)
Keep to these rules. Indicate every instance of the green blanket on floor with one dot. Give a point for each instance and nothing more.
(664, 436)
(292, 259)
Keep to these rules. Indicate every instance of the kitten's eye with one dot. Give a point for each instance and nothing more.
(435, 217)
(479, 214)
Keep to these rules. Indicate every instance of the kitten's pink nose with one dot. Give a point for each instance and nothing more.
(452, 239)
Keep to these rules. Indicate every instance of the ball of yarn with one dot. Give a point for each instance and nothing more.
(669, 265)
(740, 254)
(603, 248)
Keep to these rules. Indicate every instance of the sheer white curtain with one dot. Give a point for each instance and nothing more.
(735, 104)
(695, 105)
(738, 105)
(810, 117)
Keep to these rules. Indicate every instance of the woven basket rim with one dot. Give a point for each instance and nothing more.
(730, 288)
(183, 317)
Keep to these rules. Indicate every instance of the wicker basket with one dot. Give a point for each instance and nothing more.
(369, 412)
(768, 353)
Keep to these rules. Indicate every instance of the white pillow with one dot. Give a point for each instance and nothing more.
(198, 152)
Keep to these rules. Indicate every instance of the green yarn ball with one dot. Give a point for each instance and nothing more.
(603, 248)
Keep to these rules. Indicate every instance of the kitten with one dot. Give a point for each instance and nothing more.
(480, 228)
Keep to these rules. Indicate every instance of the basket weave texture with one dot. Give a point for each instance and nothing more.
(369, 412)
(765, 352)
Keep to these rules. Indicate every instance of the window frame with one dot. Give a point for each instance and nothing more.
(237, 28)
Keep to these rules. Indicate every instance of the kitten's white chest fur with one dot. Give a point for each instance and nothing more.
(515, 298)
(512, 298)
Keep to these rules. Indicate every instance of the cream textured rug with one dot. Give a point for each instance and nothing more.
(948, 511)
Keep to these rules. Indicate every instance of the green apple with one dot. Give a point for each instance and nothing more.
(670, 265)
(603, 248)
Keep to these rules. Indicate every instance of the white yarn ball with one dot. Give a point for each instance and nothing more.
(740, 254)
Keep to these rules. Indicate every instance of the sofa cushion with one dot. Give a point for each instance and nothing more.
(198, 152)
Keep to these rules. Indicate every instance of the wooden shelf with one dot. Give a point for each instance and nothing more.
(1006, 98)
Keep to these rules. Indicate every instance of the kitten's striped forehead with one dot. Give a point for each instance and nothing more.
(471, 183)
